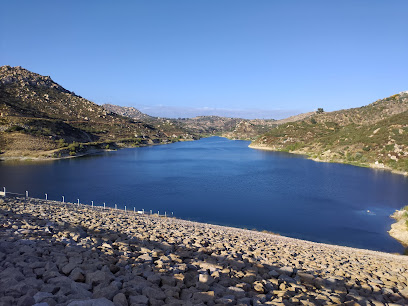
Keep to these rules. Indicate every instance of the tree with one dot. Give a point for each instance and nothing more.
(319, 110)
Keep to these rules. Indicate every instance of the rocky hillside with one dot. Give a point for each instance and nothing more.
(39, 115)
(374, 135)
(128, 112)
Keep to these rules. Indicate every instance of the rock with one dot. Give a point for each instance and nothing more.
(145, 257)
(155, 293)
(77, 275)
(306, 278)
(26, 300)
(138, 299)
(286, 279)
(206, 279)
(68, 268)
(226, 300)
(108, 292)
(92, 302)
(236, 292)
(97, 277)
(168, 280)
(204, 297)
(258, 287)
(120, 300)
(286, 270)
(39, 296)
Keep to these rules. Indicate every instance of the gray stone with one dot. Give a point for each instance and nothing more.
(203, 296)
(286, 270)
(26, 300)
(97, 277)
(138, 299)
(39, 296)
(154, 293)
(92, 302)
(235, 291)
(206, 279)
(68, 268)
(120, 300)
(77, 275)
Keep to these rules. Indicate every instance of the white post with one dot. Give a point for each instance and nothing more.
(26, 194)
(172, 214)
(134, 209)
(92, 203)
(63, 199)
(104, 205)
(158, 212)
(143, 210)
(4, 189)
(151, 212)
(78, 202)
(165, 214)
(116, 206)
(46, 196)
(125, 208)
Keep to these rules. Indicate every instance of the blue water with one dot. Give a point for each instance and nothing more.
(224, 182)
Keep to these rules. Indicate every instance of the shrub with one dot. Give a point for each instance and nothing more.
(14, 128)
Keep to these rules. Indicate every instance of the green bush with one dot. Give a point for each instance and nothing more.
(14, 128)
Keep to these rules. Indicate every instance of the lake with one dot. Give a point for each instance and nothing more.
(221, 181)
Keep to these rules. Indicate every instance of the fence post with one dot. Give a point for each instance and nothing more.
(63, 199)
(116, 206)
(165, 214)
(143, 210)
(46, 196)
(103, 205)
(26, 194)
(125, 208)
(151, 212)
(92, 203)
(78, 202)
(134, 209)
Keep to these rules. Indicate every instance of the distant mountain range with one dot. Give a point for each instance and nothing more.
(375, 135)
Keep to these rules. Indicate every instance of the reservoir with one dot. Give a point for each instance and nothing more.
(220, 181)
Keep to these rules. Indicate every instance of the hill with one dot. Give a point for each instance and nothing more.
(234, 128)
(375, 135)
(39, 117)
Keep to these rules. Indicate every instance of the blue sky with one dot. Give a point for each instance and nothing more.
(255, 58)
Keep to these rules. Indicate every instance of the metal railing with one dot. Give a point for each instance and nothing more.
(6, 193)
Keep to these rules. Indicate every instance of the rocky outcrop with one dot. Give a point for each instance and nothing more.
(399, 230)
(54, 253)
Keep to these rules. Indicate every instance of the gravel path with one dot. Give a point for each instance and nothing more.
(64, 254)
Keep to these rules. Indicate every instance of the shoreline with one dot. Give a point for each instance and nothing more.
(109, 255)
(306, 155)
(399, 229)
(22, 159)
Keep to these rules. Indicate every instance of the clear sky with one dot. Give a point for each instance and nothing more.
(264, 58)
